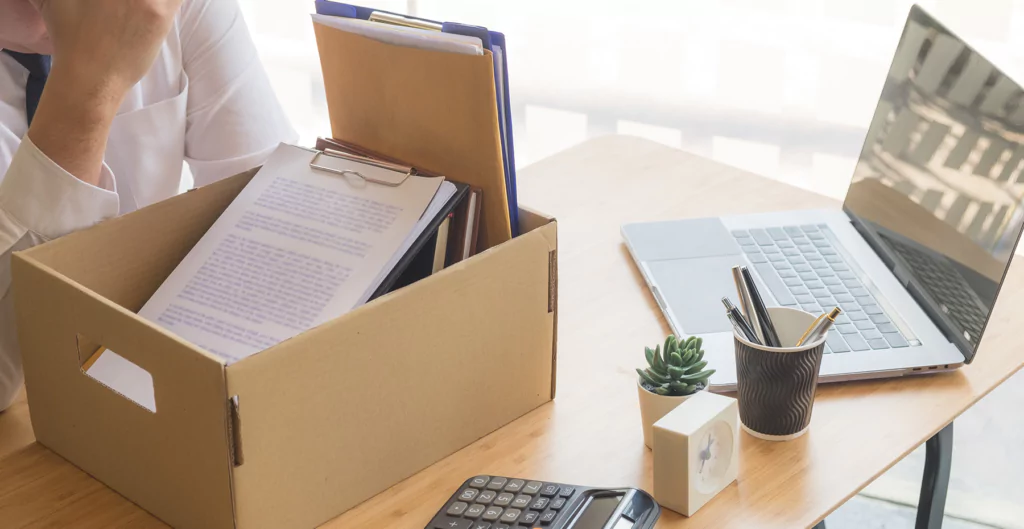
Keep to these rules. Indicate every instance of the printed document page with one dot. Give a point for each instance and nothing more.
(296, 248)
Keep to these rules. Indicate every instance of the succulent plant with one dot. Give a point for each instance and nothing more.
(676, 370)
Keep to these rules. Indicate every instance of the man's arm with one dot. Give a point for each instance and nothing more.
(54, 179)
(234, 118)
(101, 48)
(38, 201)
(71, 125)
(10, 361)
(36, 193)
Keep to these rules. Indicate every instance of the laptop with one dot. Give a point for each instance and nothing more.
(916, 256)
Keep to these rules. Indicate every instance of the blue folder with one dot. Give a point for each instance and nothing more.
(491, 40)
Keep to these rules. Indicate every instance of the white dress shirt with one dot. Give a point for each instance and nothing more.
(206, 101)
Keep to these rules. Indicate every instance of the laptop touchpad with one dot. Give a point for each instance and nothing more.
(693, 289)
(680, 239)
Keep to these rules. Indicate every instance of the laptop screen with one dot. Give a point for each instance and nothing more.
(938, 187)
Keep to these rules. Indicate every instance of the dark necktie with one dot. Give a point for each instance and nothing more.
(38, 67)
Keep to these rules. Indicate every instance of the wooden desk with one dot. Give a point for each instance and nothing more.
(591, 433)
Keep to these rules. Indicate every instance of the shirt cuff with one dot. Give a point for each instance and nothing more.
(49, 201)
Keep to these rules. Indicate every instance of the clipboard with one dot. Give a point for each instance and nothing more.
(356, 176)
(363, 154)
(465, 226)
(415, 264)
(447, 129)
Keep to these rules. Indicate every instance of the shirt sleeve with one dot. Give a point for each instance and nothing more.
(38, 201)
(234, 120)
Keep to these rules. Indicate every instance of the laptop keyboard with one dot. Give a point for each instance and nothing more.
(803, 270)
(946, 285)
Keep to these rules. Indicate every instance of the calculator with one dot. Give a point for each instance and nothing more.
(495, 502)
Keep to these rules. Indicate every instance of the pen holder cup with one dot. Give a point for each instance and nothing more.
(776, 385)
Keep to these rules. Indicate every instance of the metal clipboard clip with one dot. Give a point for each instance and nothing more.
(355, 177)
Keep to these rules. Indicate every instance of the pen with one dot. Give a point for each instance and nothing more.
(740, 329)
(809, 330)
(746, 305)
(771, 338)
(820, 326)
(739, 323)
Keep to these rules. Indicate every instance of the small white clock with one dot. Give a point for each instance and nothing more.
(695, 452)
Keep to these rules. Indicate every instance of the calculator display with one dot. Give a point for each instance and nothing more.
(596, 512)
(623, 523)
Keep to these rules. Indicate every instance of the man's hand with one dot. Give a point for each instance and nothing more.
(101, 48)
(107, 42)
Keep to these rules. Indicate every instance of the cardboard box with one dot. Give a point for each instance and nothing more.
(305, 430)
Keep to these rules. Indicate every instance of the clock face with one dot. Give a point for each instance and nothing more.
(712, 457)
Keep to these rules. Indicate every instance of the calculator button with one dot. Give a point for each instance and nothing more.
(486, 496)
(529, 517)
(479, 481)
(548, 516)
(492, 513)
(452, 523)
(474, 511)
(457, 508)
(539, 504)
(504, 499)
(558, 503)
(549, 490)
(510, 515)
(532, 487)
(481, 525)
(515, 485)
(521, 501)
(468, 495)
(565, 492)
(497, 483)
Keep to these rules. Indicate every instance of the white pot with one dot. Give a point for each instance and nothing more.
(653, 407)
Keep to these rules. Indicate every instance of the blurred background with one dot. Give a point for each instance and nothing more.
(783, 88)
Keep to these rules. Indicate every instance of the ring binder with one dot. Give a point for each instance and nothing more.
(408, 171)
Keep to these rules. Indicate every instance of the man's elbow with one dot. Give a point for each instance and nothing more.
(8, 392)
(11, 377)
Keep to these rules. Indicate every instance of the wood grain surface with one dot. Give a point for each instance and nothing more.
(591, 434)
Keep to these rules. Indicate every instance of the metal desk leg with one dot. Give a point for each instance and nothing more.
(935, 484)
